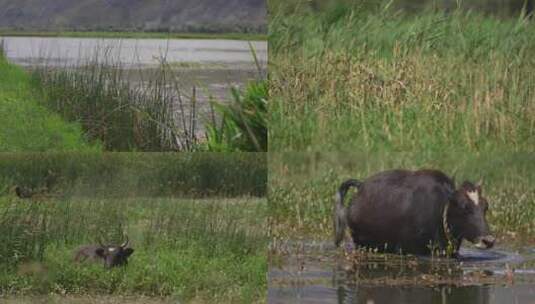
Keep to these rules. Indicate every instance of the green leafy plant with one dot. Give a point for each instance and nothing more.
(243, 125)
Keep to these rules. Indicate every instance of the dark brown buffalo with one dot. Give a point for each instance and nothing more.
(109, 255)
(413, 212)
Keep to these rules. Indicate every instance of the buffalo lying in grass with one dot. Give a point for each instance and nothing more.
(109, 255)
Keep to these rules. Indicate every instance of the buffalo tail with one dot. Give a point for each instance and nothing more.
(340, 211)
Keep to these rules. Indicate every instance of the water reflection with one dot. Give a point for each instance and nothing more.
(405, 295)
(317, 273)
(439, 294)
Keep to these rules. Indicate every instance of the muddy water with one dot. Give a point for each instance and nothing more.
(209, 82)
(62, 51)
(211, 64)
(316, 272)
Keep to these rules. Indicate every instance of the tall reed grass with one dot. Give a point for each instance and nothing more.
(349, 78)
(122, 116)
(154, 113)
(497, 8)
(302, 186)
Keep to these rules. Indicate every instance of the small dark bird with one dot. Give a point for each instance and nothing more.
(23, 192)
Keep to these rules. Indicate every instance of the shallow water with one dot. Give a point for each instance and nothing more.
(316, 272)
(60, 51)
(213, 65)
(210, 83)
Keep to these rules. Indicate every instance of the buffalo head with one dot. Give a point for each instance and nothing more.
(110, 255)
(466, 216)
(114, 255)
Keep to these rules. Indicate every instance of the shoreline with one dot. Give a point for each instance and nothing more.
(134, 35)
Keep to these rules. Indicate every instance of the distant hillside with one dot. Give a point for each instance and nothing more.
(212, 16)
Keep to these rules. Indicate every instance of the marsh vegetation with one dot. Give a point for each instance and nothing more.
(356, 77)
(302, 186)
(305, 264)
(158, 113)
(195, 222)
(120, 107)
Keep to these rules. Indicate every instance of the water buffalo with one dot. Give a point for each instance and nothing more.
(110, 255)
(414, 212)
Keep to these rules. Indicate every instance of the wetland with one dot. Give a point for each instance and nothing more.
(195, 222)
(306, 267)
(162, 92)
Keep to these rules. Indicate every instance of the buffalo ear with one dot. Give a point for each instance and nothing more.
(100, 252)
(478, 186)
(128, 252)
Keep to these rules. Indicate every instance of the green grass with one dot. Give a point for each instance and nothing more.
(26, 124)
(195, 220)
(302, 187)
(191, 250)
(244, 121)
(351, 78)
(136, 174)
(134, 35)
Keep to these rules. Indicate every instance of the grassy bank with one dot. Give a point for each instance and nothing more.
(26, 124)
(354, 78)
(302, 187)
(134, 35)
(192, 251)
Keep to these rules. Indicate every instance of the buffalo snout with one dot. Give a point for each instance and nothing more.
(485, 242)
